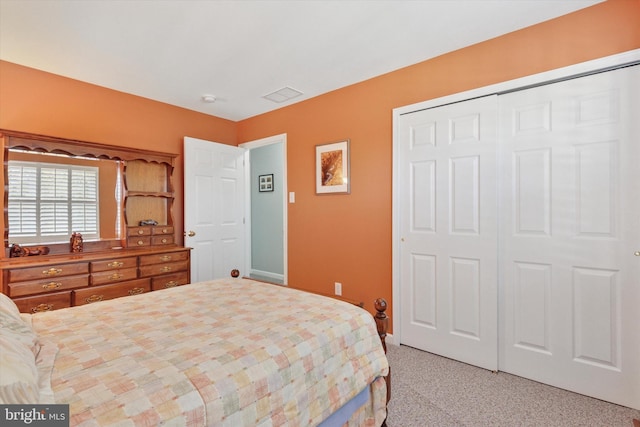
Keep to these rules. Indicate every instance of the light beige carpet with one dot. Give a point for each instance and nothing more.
(429, 390)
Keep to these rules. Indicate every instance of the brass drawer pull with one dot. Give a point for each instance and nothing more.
(164, 240)
(140, 242)
(136, 291)
(166, 268)
(140, 231)
(115, 276)
(165, 231)
(115, 264)
(165, 258)
(51, 285)
(42, 307)
(93, 298)
(171, 284)
(52, 271)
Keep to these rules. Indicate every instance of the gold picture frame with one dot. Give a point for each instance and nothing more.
(333, 168)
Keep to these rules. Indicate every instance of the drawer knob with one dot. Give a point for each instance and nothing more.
(171, 284)
(140, 242)
(165, 230)
(136, 291)
(93, 298)
(52, 271)
(51, 285)
(140, 231)
(42, 307)
(115, 264)
(164, 240)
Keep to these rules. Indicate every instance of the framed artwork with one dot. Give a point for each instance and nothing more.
(333, 168)
(265, 183)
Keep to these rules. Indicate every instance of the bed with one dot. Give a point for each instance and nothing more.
(229, 352)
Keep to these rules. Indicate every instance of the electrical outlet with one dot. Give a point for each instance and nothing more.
(338, 288)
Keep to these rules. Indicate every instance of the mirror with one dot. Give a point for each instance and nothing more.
(109, 195)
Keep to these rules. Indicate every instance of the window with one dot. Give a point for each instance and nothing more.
(47, 202)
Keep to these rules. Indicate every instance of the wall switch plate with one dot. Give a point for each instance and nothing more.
(338, 288)
(292, 197)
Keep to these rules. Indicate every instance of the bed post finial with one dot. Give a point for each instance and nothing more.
(235, 273)
(382, 321)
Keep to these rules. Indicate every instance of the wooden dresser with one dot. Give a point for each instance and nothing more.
(45, 283)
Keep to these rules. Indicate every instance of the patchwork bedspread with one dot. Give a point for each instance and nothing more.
(229, 352)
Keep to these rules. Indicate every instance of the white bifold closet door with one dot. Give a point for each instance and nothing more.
(530, 263)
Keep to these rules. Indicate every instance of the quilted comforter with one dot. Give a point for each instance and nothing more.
(229, 352)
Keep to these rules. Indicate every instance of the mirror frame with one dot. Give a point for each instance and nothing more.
(70, 147)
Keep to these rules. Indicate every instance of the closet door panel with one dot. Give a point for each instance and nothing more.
(449, 241)
(568, 226)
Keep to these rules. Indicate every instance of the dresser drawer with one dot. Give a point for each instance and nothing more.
(114, 264)
(138, 231)
(164, 258)
(138, 241)
(161, 229)
(105, 292)
(34, 287)
(161, 240)
(169, 280)
(168, 267)
(112, 276)
(43, 272)
(47, 302)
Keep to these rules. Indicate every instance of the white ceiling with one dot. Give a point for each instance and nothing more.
(175, 51)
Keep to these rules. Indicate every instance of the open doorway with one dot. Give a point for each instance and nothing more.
(266, 208)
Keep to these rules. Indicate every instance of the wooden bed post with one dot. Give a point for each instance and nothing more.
(382, 321)
(382, 324)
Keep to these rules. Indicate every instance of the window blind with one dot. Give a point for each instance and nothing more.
(47, 202)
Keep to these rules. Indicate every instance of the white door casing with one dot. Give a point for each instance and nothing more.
(448, 248)
(248, 146)
(569, 228)
(214, 208)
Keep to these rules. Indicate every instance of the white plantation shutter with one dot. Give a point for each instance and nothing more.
(47, 202)
(22, 199)
(54, 197)
(84, 196)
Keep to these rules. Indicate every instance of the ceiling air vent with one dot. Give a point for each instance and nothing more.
(282, 95)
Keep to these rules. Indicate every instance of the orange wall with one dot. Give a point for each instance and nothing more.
(47, 104)
(347, 238)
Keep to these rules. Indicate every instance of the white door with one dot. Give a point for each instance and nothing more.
(447, 202)
(570, 225)
(214, 208)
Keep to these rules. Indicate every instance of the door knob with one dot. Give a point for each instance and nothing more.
(190, 234)
(637, 253)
